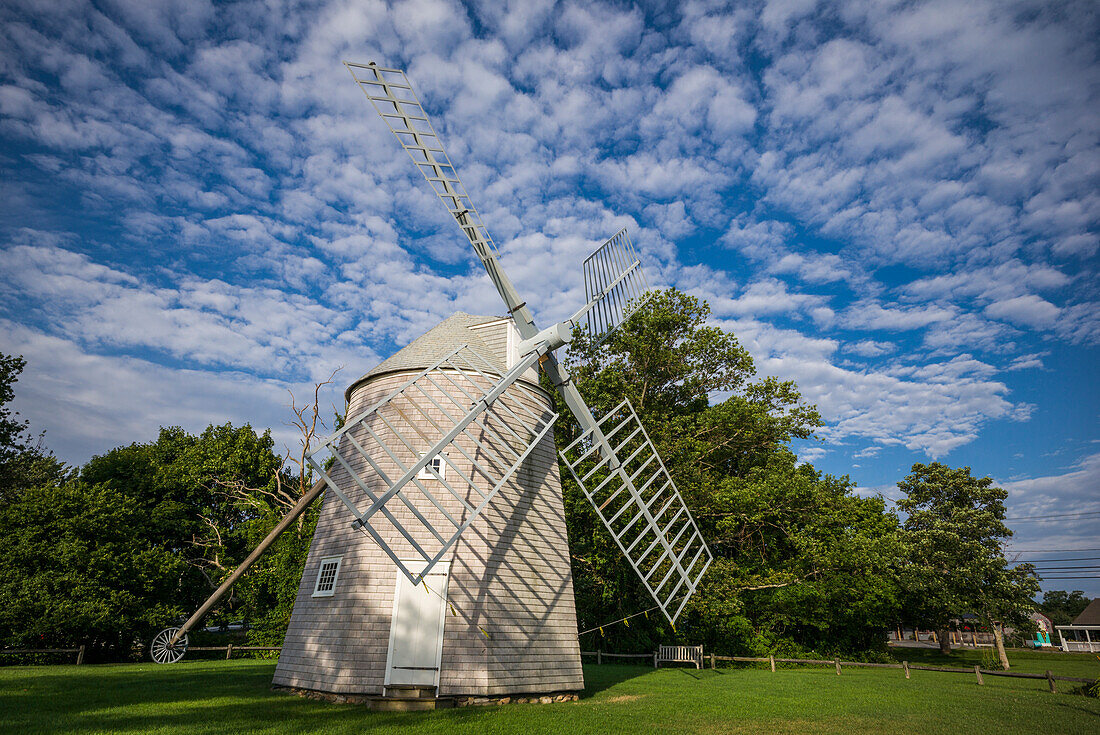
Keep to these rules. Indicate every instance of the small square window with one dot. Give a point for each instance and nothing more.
(326, 577)
(437, 464)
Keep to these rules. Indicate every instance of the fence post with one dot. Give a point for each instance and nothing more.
(228, 651)
(80, 655)
(1050, 681)
(599, 657)
(712, 661)
(978, 673)
(771, 660)
(905, 665)
(837, 662)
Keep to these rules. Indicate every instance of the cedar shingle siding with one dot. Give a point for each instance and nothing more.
(509, 571)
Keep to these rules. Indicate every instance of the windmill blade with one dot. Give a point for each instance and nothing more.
(614, 286)
(621, 474)
(393, 98)
(429, 457)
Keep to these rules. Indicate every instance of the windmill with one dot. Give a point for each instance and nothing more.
(449, 431)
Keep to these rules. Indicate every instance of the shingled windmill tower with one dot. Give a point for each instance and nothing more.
(495, 615)
(440, 562)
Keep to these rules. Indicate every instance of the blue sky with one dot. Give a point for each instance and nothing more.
(894, 204)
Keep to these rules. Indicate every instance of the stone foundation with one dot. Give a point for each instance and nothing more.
(520, 699)
(459, 701)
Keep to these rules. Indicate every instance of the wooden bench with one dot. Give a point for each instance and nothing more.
(679, 655)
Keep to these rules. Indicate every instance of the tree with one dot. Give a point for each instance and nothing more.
(1061, 607)
(181, 482)
(954, 553)
(24, 462)
(78, 569)
(800, 560)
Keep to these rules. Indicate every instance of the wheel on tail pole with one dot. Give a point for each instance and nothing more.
(165, 653)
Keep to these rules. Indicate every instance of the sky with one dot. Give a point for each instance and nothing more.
(893, 204)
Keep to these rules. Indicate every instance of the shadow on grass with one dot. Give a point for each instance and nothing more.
(691, 673)
(207, 699)
(204, 698)
(598, 677)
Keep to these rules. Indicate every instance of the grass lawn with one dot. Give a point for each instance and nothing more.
(235, 696)
(1028, 661)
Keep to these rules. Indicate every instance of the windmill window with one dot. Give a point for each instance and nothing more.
(326, 577)
(437, 464)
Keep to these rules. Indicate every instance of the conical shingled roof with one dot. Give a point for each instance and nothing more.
(430, 347)
(1090, 615)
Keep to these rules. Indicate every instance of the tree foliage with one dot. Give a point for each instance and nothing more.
(210, 499)
(23, 460)
(79, 569)
(954, 561)
(799, 558)
(1062, 607)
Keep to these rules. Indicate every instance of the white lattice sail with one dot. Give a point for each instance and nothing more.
(622, 475)
(614, 285)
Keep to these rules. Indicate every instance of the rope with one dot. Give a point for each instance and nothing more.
(620, 620)
(451, 607)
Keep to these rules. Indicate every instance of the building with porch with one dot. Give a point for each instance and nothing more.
(1084, 633)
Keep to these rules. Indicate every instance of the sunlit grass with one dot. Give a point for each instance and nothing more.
(235, 696)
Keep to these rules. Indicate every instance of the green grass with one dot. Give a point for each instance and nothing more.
(235, 696)
(1028, 661)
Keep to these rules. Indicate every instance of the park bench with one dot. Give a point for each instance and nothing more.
(679, 655)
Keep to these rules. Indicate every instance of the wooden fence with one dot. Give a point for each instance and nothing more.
(230, 649)
(78, 651)
(905, 666)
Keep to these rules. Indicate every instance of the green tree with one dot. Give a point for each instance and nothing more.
(208, 499)
(1062, 607)
(953, 538)
(78, 569)
(24, 462)
(800, 560)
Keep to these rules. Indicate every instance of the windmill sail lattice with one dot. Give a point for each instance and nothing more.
(635, 497)
(396, 103)
(614, 285)
(461, 411)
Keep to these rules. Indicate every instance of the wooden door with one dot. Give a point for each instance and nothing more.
(416, 629)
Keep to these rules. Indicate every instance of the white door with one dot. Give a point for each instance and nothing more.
(416, 629)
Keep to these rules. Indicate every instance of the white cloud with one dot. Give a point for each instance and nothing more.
(870, 348)
(246, 212)
(1029, 310)
(88, 403)
(1046, 506)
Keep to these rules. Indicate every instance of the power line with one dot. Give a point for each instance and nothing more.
(1051, 551)
(1051, 561)
(1076, 569)
(1058, 516)
(1083, 576)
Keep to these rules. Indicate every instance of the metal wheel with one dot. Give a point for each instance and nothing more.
(162, 652)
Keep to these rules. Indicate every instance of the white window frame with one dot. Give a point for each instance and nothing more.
(425, 474)
(317, 591)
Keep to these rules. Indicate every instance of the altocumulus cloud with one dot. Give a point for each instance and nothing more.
(894, 204)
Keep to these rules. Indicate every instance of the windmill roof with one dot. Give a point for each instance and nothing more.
(428, 348)
(1090, 615)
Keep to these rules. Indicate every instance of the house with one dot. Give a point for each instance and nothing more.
(1084, 633)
